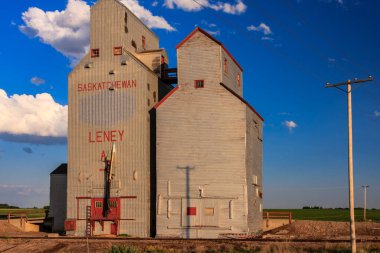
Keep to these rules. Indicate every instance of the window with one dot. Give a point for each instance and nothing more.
(148, 86)
(113, 204)
(143, 42)
(98, 204)
(191, 211)
(199, 84)
(238, 81)
(162, 59)
(134, 44)
(94, 52)
(125, 23)
(154, 96)
(209, 211)
(117, 50)
(254, 180)
(225, 65)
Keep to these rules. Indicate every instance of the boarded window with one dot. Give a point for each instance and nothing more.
(191, 211)
(117, 50)
(148, 86)
(209, 211)
(238, 81)
(254, 180)
(199, 84)
(154, 96)
(95, 52)
(225, 67)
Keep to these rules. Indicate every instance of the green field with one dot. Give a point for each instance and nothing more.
(329, 214)
(32, 212)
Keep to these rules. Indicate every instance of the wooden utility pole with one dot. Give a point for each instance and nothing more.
(365, 202)
(350, 151)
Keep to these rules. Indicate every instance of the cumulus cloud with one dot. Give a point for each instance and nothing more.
(196, 5)
(290, 125)
(265, 29)
(376, 113)
(37, 80)
(214, 33)
(68, 31)
(146, 16)
(31, 116)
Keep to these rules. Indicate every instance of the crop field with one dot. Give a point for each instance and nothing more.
(329, 214)
(32, 212)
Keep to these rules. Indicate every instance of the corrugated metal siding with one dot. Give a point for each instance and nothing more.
(57, 210)
(229, 77)
(104, 110)
(204, 130)
(254, 164)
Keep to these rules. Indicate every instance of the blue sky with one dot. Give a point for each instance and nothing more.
(288, 50)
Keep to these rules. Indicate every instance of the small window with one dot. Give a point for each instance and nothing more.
(225, 65)
(257, 192)
(199, 84)
(148, 86)
(254, 180)
(98, 204)
(117, 50)
(134, 44)
(154, 96)
(162, 59)
(126, 21)
(209, 211)
(191, 211)
(113, 204)
(94, 52)
(238, 81)
(143, 42)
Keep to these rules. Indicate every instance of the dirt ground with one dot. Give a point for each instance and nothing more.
(299, 230)
(325, 230)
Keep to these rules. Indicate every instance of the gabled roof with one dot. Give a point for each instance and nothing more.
(166, 97)
(61, 170)
(242, 100)
(212, 38)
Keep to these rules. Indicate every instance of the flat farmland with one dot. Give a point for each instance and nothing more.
(32, 212)
(329, 214)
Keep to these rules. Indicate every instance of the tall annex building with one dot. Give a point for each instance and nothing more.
(147, 157)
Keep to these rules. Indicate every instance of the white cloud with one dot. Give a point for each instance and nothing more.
(210, 25)
(340, 2)
(196, 5)
(214, 33)
(265, 29)
(155, 3)
(267, 38)
(37, 80)
(68, 31)
(146, 16)
(376, 113)
(36, 115)
(290, 125)
(331, 60)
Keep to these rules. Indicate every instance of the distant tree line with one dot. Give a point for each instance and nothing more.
(6, 206)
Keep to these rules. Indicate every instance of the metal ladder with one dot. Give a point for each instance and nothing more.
(88, 221)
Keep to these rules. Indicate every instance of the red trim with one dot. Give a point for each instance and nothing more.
(128, 197)
(166, 97)
(195, 84)
(212, 38)
(93, 54)
(83, 197)
(242, 100)
(117, 50)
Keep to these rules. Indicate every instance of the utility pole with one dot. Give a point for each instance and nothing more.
(350, 151)
(365, 202)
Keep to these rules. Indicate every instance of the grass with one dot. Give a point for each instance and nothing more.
(329, 214)
(32, 212)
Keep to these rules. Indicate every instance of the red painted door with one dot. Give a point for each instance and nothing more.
(114, 228)
(97, 205)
